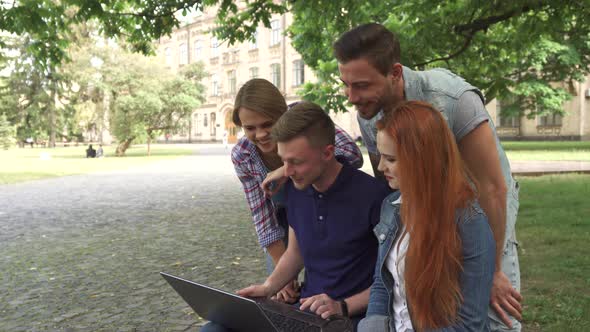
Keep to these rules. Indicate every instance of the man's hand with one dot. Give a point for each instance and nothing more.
(289, 294)
(273, 182)
(321, 305)
(255, 291)
(505, 299)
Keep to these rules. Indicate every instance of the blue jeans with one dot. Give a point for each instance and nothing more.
(510, 264)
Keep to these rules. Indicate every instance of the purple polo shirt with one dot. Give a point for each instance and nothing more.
(334, 231)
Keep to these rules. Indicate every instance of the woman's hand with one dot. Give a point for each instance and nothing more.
(273, 182)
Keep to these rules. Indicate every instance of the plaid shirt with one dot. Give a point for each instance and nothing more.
(251, 171)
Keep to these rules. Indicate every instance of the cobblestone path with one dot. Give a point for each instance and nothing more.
(83, 253)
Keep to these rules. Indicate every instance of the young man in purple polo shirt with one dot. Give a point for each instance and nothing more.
(332, 209)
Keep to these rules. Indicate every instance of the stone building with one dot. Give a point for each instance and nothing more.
(269, 56)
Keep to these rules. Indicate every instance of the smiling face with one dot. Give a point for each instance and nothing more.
(388, 163)
(367, 88)
(304, 163)
(257, 129)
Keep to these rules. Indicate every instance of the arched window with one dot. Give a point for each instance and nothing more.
(183, 53)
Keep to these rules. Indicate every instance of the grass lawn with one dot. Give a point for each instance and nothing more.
(553, 230)
(565, 150)
(23, 164)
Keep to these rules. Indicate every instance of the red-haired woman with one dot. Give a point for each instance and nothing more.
(436, 250)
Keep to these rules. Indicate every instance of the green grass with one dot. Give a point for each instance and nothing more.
(564, 150)
(24, 164)
(546, 145)
(553, 231)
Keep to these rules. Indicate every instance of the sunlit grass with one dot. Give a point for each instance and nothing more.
(24, 164)
(548, 151)
(553, 230)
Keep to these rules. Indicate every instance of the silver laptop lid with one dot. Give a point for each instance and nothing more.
(227, 309)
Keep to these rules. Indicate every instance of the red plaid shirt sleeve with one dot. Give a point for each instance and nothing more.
(251, 172)
(347, 149)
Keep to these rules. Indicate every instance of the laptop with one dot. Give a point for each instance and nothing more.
(244, 314)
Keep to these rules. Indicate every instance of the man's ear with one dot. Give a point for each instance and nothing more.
(328, 152)
(396, 71)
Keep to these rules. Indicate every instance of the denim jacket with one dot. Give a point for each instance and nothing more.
(478, 248)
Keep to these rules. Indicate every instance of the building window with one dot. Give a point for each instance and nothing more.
(168, 55)
(505, 121)
(275, 33)
(275, 74)
(214, 47)
(213, 127)
(550, 120)
(183, 53)
(196, 123)
(253, 72)
(214, 85)
(253, 44)
(198, 49)
(205, 120)
(509, 121)
(298, 73)
(231, 81)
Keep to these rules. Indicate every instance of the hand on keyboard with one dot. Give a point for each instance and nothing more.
(322, 305)
(289, 293)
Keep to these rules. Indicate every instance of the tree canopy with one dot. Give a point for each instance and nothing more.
(102, 87)
(527, 52)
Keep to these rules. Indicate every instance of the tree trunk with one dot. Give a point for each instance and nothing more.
(52, 111)
(190, 127)
(149, 144)
(123, 146)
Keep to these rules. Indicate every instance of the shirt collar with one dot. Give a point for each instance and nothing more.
(412, 88)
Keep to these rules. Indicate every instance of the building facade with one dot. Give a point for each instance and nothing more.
(574, 125)
(270, 56)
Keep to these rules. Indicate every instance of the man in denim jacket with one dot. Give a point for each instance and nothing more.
(374, 80)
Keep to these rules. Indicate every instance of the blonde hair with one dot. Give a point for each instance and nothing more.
(305, 119)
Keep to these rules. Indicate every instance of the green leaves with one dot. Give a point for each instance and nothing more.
(7, 133)
(519, 51)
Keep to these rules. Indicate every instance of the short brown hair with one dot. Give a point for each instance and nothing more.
(372, 41)
(261, 96)
(305, 119)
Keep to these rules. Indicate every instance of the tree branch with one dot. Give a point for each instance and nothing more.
(484, 23)
(170, 12)
(450, 56)
(469, 30)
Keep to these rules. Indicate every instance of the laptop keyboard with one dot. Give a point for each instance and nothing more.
(287, 324)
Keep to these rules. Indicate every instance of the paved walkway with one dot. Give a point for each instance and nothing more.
(549, 167)
(82, 253)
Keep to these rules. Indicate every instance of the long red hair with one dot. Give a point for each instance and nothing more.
(434, 182)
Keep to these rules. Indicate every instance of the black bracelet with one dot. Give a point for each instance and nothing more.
(344, 308)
